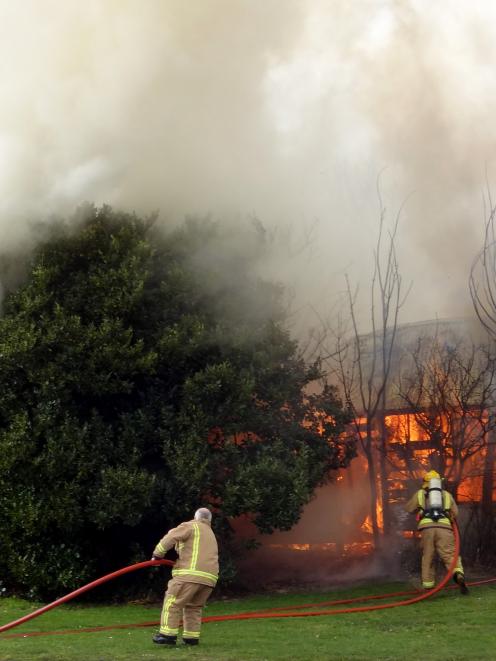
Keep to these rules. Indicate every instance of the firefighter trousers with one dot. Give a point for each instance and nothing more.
(183, 600)
(440, 541)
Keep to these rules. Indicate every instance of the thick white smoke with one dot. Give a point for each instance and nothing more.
(287, 109)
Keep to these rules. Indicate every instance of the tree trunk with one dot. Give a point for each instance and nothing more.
(487, 506)
(373, 487)
(386, 510)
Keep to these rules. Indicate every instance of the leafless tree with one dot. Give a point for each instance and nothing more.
(482, 285)
(482, 279)
(449, 389)
(362, 362)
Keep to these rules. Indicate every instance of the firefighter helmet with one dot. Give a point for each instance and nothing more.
(429, 476)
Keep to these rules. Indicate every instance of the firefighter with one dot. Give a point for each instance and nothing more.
(436, 510)
(194, 577)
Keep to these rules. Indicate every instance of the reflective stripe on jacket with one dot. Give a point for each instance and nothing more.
(425, 521)
(196, 546)
(417, 503)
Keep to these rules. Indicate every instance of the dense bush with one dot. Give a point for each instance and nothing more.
(143, 374)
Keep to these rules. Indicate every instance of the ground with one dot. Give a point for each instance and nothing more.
(447, 627)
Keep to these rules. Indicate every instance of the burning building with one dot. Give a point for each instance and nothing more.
(439, 413)
(440, 410)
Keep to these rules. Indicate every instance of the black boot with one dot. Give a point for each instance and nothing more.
(162, 639)
(191, 641)
(460, 581)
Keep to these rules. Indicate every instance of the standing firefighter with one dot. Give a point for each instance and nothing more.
(194, 577)
(436, 510)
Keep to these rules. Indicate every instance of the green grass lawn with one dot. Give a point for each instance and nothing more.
(443, 628)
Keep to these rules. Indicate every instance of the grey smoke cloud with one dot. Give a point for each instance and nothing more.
(287, 109)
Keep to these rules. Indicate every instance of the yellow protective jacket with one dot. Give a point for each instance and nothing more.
(196, 546)
(418, 503)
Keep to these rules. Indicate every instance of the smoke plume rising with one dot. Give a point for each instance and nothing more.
(283, 109)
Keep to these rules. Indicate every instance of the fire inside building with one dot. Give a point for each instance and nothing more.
(439, 416)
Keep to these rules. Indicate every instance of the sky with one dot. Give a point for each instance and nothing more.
(293, 111)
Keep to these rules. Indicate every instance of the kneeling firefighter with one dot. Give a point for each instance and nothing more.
(436, 510)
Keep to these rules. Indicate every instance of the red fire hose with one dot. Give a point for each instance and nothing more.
(250, 615)
(356, 609)
(85, 588)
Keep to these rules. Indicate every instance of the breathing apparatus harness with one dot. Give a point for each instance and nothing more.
(434, 505)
